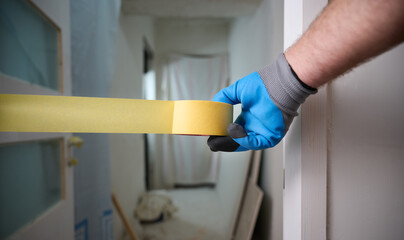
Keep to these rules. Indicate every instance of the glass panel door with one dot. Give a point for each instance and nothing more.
(35, 182)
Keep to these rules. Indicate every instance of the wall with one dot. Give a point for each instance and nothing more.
(189, 36)
(127, 150)
(256, 41)
(366, 149)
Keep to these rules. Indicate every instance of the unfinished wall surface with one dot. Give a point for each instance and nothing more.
(255, 42)
(366, 151)
(127, 150)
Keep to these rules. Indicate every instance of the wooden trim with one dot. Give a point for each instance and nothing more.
(293, 28)
(249, 211)
(255, 165)
(236, 219)
(251, 176)
(314, 167)
(314, 150)
(305, 148)
(125, 221)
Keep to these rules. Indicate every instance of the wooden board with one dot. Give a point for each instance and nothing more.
(255, 165)
(249, 211)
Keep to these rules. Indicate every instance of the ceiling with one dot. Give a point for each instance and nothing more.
(191, 8)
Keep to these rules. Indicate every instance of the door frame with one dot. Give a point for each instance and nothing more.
(305, 145)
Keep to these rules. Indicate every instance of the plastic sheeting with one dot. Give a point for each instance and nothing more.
(187, 160)
(93, 30)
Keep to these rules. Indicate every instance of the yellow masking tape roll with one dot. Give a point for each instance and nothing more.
(36, 113)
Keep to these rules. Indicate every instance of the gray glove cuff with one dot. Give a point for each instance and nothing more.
(284, 89)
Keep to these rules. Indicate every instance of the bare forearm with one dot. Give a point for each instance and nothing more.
(347, 33)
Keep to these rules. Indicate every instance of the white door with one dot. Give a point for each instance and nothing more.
(36, 183)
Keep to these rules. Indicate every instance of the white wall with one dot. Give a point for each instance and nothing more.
(366, 151)
(127, 150)
(189, 36)
(256, 41)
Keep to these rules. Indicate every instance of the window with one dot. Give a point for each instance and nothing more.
(30, 182)
(29, 45)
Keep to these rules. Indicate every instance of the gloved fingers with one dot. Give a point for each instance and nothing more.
(227, 143)
(238, 140)
(235, 130)
(250, 141)
(254, 142)
(227, 95)
(242, 149)
(222, 144)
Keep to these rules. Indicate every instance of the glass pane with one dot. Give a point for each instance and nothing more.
(30, 182)
(28, 44)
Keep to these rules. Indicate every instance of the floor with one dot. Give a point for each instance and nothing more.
(199, 217)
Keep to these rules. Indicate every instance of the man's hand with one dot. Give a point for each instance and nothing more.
(269, 99)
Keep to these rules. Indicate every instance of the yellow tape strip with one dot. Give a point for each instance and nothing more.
(35, 113)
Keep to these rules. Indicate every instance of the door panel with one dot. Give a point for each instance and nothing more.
(36, 181)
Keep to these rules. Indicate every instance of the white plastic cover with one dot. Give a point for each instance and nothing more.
(94, 25)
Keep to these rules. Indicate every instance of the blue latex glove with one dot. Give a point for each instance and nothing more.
(269, 100)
